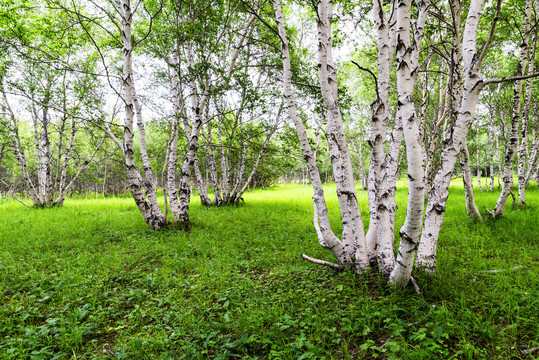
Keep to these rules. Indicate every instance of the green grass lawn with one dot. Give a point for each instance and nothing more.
(91, 281)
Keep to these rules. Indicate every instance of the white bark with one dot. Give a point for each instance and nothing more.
(407, 68)
(426, 255)
(172, 190)
(198, 105)
(477, 158)
(341, 252)
(257, 162)
(18, 149)
(491, 149)
(212, 165)
(380, 237)
(523, 155)
(152, 215)
(515, 119)
(534, 154)
(471, 207)
(429, 155)
(353, 230)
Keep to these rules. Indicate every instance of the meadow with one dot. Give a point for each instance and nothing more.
(89, 280)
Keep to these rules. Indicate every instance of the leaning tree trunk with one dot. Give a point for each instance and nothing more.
(353, 230)
(18, 149)
(139, 187)
(515, 119)
(426, 254)
(326, 237)
(523, 156)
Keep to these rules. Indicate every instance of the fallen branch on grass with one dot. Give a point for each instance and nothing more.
(416, 287)
(322, 262)
(503, 270)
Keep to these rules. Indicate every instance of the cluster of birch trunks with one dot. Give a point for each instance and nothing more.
(399, 44)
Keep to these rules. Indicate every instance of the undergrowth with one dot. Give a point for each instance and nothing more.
(89, 280)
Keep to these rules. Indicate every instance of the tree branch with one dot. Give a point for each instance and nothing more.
(322, 262)
(370, 72)
(507, 79)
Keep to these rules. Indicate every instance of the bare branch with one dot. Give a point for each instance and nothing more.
(370, 72)
(322, 262)
(491, 34)
(507, 79)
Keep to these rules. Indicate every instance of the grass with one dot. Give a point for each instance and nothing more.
(91, 281)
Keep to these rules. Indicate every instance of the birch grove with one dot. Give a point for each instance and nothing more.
(198, 98)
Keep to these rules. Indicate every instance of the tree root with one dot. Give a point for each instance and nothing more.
(323, 262)
(492, 213)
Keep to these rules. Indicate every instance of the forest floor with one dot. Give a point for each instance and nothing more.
(89, 280)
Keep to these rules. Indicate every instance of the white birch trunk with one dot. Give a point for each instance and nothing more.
(407, 68)
(257, 162)
(325, 234)
(18, 149)
(426, 254)
(471, 207)
(212, 165)
(353, 230)
(153, 216)
(515, 119)
(380, 237)
(491, 149)
(172, 190)
(477, 156)
(523, 155)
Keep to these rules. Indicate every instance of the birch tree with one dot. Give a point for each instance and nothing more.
(515, 118)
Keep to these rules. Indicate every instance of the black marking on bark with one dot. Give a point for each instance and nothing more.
(440, 209)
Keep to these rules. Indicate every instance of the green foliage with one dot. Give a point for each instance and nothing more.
(90, 280)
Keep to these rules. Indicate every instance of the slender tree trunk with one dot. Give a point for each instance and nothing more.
(426, 255)
(18, 149)
(477, 159)
(407, 66)
(515, 120)
(326, 237)
(491, 149)
(225, 174)
(523, 155)
(380, 237)
(353, 230)
(172, 190)
(498, 160)
(471, 208)
(212, 165)
(201, 185)
(138, 186)
(534, 156)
